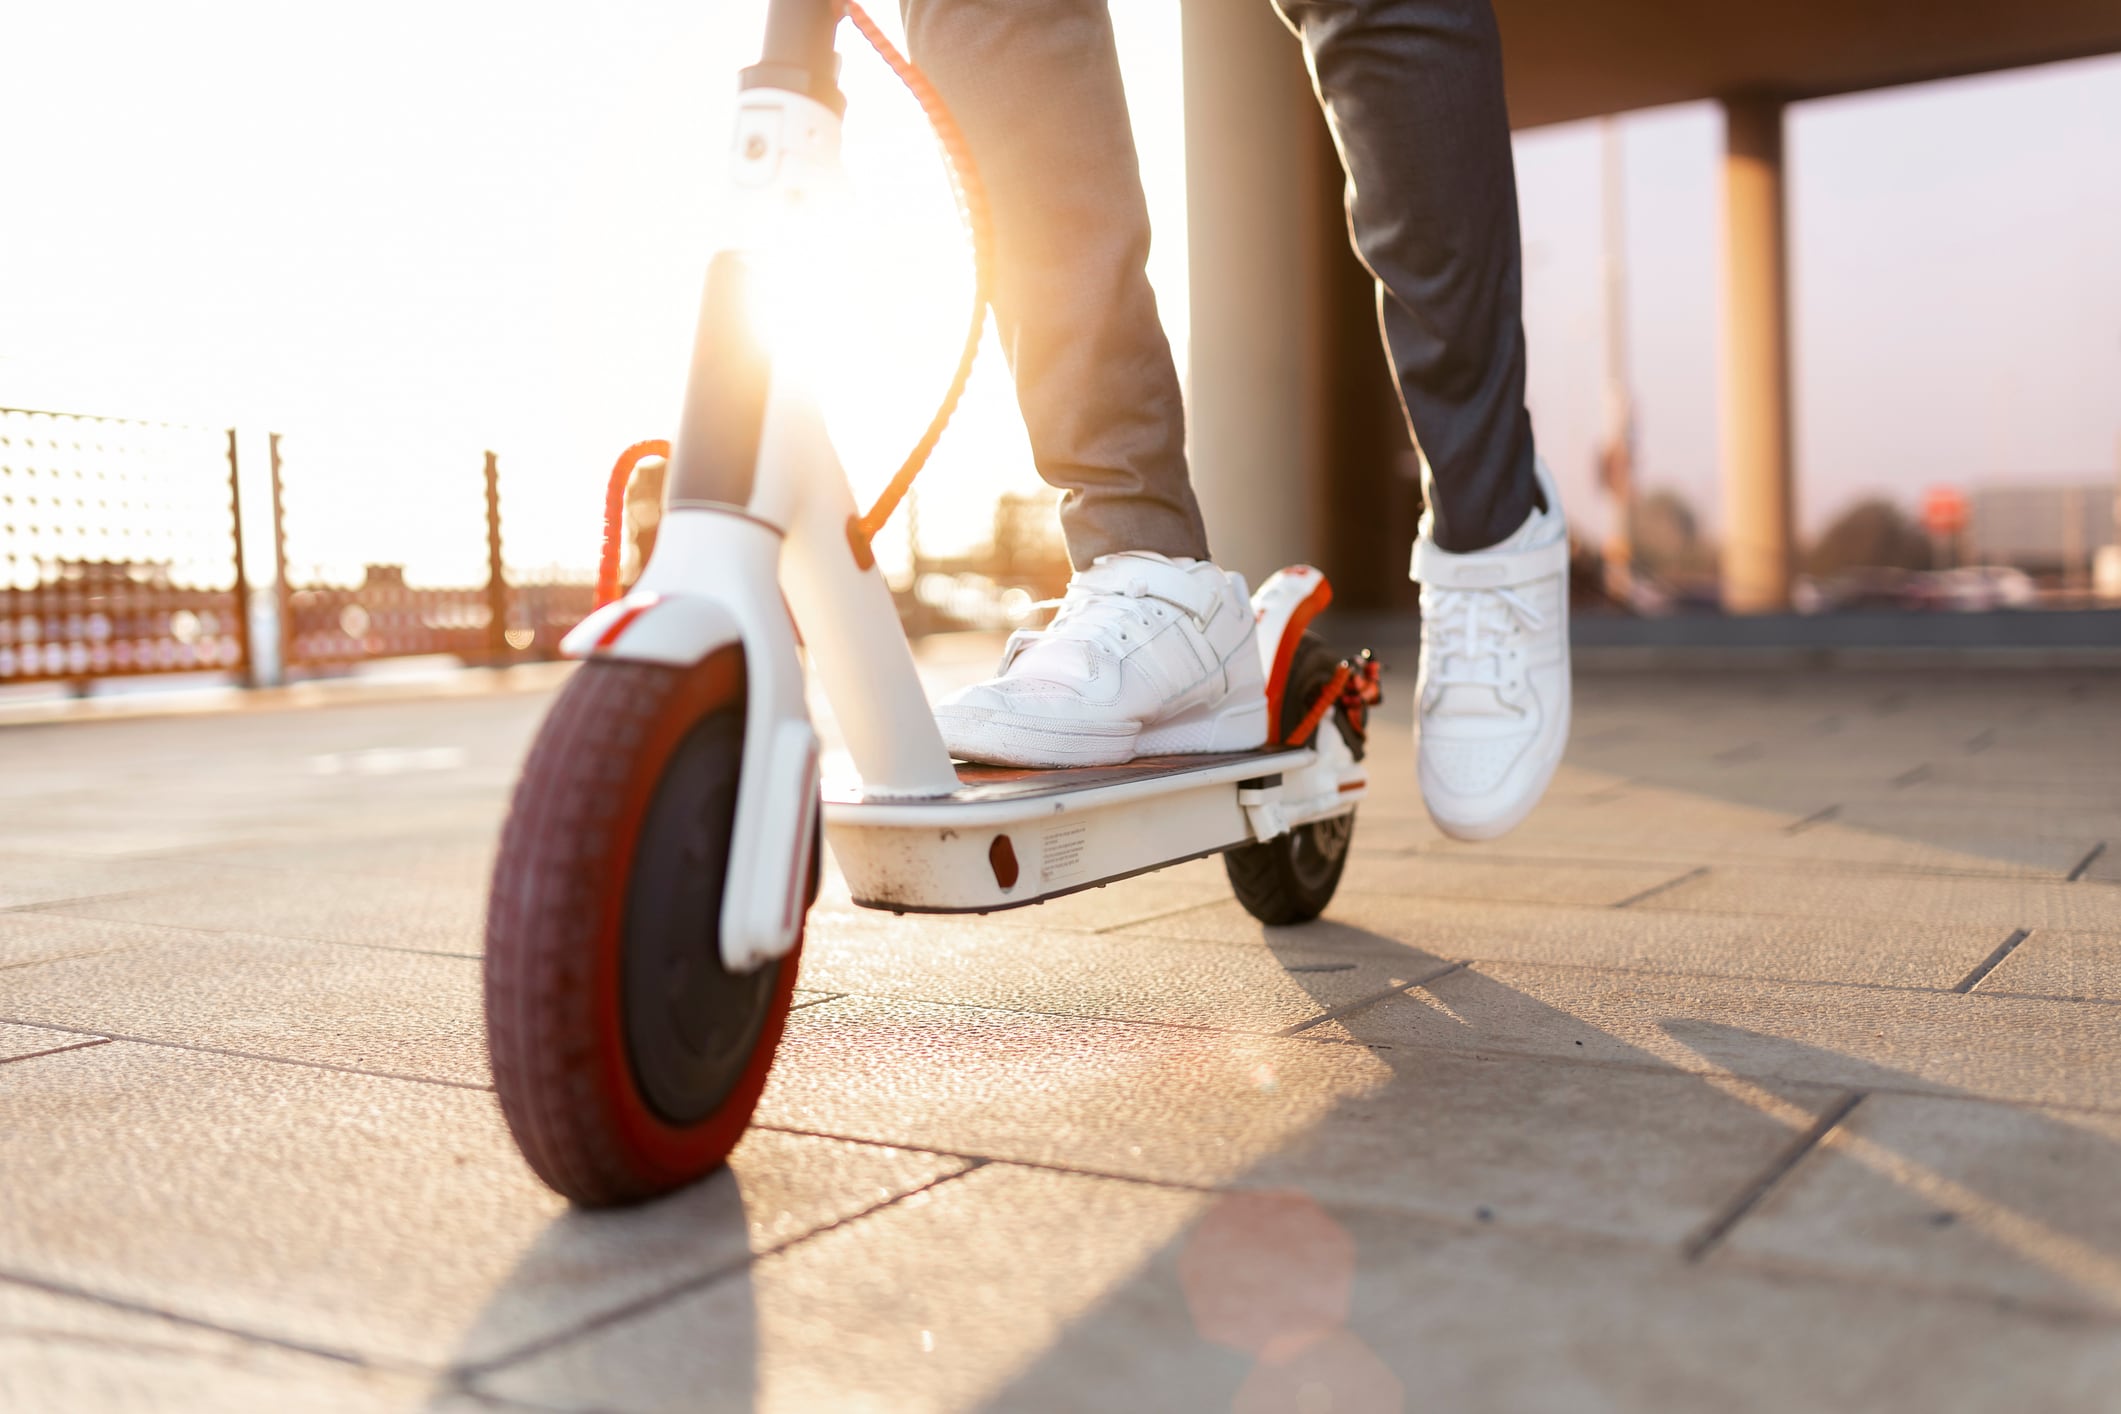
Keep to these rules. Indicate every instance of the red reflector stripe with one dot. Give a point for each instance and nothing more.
(625, 621)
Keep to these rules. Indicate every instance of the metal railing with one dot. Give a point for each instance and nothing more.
(478, 610)
(119, 549)
(121, 554)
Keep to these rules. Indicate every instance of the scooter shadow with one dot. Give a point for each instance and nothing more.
(588, 1271)
(1293, 1283)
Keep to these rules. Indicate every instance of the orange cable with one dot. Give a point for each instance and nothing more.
(973, 211)
(615, 515)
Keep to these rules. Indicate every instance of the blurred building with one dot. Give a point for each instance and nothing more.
(2049, 530)
(1323, 476)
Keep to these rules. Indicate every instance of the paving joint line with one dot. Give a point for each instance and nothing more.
(240, 1055)
(1989, 964)
(1149, 917)
(2086, 863)
(1766, 861)
(1361, 1003)
(52, 905)
(1698, 1246)
(1809, 1269)
(56, 910)
(141, 1308)
(67, 956)
(1817, 817)
(1176, 1185)
(1699, 871)
(57, 1050)
(1909, 988)
(465, 1374)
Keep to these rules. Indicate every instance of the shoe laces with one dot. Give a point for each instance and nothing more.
(1474, 638)
(1102, 601)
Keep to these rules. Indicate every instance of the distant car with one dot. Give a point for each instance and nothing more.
(1972, 590)
(1870, 587)
(1979, 589)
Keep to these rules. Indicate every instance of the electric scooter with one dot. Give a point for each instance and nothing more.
(663, 847)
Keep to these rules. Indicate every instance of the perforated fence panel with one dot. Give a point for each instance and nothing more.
(394, 550)
(119, 548)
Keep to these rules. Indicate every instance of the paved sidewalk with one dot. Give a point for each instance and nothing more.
(1774, 1064)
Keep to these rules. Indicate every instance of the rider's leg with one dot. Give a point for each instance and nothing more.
(1413, 92)
(1153, 650)
(1036, 88)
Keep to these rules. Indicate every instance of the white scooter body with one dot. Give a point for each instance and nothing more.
(917, 833)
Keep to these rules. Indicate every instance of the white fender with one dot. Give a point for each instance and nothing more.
(645, 627)
(1335, 782)
(1282, 609)
(713, 582)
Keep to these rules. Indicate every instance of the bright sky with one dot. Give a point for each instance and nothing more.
(413, 231)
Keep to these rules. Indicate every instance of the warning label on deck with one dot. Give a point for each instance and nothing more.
(1060, 856)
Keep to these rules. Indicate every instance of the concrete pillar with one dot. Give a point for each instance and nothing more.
(1758, 501)
(1255, 378)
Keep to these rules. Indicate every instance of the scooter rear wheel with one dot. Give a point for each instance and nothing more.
(1291, 878)
(627, 1058)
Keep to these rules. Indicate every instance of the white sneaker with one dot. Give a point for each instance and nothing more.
(1146, 656)
(1492, 715)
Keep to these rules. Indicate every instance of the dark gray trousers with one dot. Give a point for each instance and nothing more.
(1412, 90)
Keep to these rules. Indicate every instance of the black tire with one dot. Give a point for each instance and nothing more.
(1291, 879)
(627, 1059)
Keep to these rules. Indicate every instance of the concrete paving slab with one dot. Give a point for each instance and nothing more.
(1535, 1143)
(1861, 1038)
(27, 937)
(395, 1013)
(2002, 903)
(330, 908)
(1122, 976)
(935, 1303)
(2083, 966)
(1514, 1202)
(456, 851)
(1438, 1318)
(1496, 880)
(2002, 1202)
(1038, 1291)
(65, 1353)
(1523, 1141)
(2070, 822)
(1200, 1106)
(385, 1219)
(27, 880)
(1781, 841)
(1795, 949)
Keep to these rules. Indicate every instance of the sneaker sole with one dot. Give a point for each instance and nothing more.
(1496, 826)
(1013, 741)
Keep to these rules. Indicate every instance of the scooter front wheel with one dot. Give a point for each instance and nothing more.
(628, 1059)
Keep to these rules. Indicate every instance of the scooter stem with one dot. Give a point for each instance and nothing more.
(798, 55)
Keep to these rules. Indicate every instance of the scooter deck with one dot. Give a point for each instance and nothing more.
(994, 795)
(977, 782)
(1008, 837)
